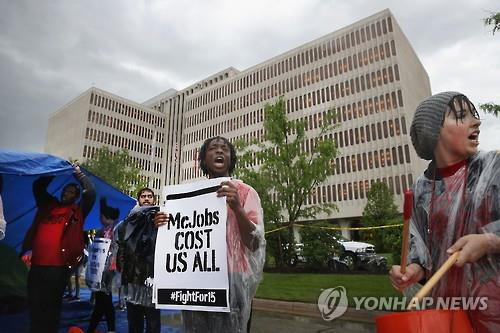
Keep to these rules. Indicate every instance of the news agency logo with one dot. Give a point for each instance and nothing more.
(332, 303)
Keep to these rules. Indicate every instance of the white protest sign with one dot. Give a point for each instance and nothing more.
(190, 255)
(98, 254)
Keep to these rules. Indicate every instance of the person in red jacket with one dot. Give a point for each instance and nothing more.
(56, 241)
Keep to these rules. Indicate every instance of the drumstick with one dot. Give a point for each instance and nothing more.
(434, 279)
(407, 208)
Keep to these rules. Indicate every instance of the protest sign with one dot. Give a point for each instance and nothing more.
(190, 257)
(98, 254)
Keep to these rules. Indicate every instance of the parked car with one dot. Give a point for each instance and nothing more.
(354, 256)
(358, 255)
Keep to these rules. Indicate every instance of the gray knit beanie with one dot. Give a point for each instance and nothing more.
(427, 123)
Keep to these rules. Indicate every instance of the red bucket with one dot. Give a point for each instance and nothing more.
(426, 321)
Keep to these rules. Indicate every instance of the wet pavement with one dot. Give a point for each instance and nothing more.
(274, 322)
(268, 316)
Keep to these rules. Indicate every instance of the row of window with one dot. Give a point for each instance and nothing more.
(300, 80)
(345, 138)
(355, 190)
(371, 160)
(362, 134)
(354, 110)
(121, 142)
(127, 110)
(323, 95)
(315, 53)
(122, 125)
(341, 165)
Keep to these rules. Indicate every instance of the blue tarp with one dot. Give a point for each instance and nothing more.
(18, 170)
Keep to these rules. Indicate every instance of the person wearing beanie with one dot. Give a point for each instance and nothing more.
(456, 207)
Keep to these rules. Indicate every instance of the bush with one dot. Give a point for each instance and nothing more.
(393, 238)
(318, 246)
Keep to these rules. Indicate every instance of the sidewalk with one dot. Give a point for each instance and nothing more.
(311, 310)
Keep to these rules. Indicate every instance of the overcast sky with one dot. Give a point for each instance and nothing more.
(51, 51)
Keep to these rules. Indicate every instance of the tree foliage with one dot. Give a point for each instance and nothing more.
(493, 20)
(491, 108)
(117, 169)
(319, 245)
(379, 210)
(291, 166)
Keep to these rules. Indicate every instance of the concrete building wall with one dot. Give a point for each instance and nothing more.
(98, 118)
(66, 129)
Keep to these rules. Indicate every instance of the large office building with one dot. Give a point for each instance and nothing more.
(97, 118)
(367, 73)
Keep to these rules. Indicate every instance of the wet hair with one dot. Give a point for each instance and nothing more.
(75, 186)
(203, 154)
(144, 189)
(108, 211)
(459, 105)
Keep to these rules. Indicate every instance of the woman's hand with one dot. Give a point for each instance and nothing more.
(414, 273)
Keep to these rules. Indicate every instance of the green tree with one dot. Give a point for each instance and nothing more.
(290, 166)
(117, 169)
(491, 108)
(494, 20)
(379, 210)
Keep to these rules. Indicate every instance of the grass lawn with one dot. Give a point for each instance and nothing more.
(307, 287)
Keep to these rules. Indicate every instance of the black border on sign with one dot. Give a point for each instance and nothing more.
(193, 193)
(220, 297)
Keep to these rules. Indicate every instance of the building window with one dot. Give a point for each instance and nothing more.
(407, 154)
(400, 153)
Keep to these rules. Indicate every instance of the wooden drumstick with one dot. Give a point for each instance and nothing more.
(407, 208)
(434, 279)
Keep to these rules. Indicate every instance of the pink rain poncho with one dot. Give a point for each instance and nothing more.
(450, 203)
(245, 267)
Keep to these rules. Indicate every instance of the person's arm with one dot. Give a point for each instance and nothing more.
(88, 193)
(246, 226)
(42, 198)
(40, 192)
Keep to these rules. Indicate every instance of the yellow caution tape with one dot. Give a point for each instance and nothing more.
(339, 228)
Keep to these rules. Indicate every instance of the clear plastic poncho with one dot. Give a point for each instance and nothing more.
(448, 204)
(245, 265)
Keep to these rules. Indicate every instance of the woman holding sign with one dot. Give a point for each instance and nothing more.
(244, 238)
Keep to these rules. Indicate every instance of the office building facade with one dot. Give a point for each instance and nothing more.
(367, 73)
